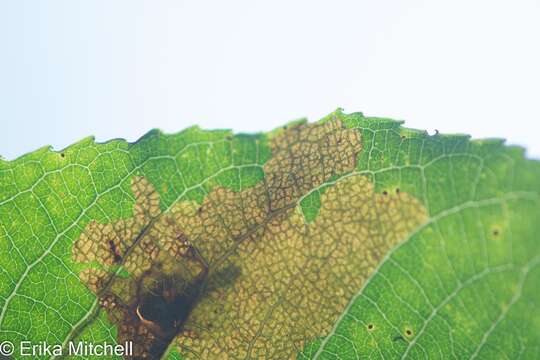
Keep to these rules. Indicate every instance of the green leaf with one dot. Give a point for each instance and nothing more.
(348, 238)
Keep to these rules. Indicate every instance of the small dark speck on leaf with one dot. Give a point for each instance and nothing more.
(399, 337)
(397, 190)
(62, 155)
(408, 332)
(495, 232)
(385, 192)
(370, 327)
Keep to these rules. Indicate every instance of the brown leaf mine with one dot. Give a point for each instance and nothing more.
(242, 275)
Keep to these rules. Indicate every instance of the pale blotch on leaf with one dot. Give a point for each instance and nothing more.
(242, 275)
(297, 278)
(153, 251)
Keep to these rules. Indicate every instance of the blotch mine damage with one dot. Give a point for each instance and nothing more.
(242, 275)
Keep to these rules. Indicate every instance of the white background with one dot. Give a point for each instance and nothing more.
(112, 68)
